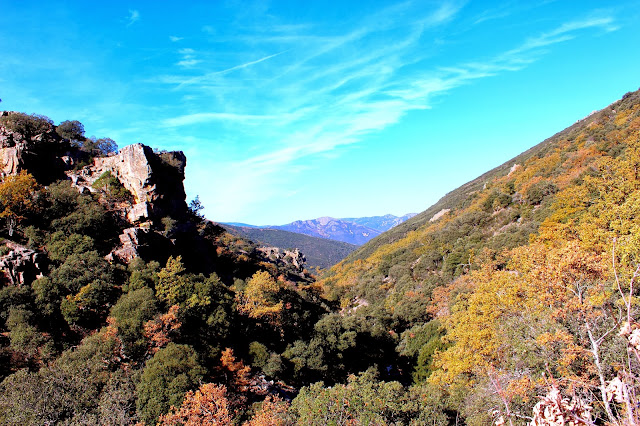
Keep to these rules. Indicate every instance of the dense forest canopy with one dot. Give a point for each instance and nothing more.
(511, 301)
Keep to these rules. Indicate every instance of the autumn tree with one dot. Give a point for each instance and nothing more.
(161, 330)
(273, 412)
(17, 198)
(237, 374)
(259, 298)
(207, 406)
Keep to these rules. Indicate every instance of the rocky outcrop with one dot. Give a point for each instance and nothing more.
(141, 242)
(30, 142)
(154, 180)
(10, 159)
(292, 259)
(130, 244)
(21, 265)
(439, 215)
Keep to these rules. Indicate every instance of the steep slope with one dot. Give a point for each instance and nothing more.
(319, 252)
(592, 127)
(529, 272)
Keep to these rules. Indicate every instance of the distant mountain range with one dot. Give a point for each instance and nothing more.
(324, 241)
(351, 230)
(355, 231)
(380, 223)
(320, 252)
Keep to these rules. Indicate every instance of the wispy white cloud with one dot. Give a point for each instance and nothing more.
(564, 32)
(134, 16)
(319, 93)
(175, 38)
(212, 75)
(188, 58)
(203, 117)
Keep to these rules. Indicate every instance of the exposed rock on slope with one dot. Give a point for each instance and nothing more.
(292, 258)
(22, 265)
(139, 242)
(36, 148)
(154, 180)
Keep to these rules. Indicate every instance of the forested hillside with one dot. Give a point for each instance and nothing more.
(518, 289)
(513, 300)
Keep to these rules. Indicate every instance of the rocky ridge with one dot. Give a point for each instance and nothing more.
(154, 180)
(36, 147)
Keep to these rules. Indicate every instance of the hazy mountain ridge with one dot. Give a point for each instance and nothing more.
(380, 223)
(355, 231)
(319, 252)
(324, 241)
(331, 228)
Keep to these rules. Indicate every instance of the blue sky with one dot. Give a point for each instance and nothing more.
(293, 110)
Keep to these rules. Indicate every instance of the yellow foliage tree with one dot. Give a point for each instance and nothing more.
(17, 198)
(259, 298)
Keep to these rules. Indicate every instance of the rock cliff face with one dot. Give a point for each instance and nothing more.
(154, 180)
(288, 258)
(22, 265)
(36, 148)
(138, 242)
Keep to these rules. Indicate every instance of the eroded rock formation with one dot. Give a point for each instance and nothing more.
(22, 265)
(293, 259)
(37, 148)
(154, 180)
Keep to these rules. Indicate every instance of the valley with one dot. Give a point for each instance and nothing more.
(513, 299)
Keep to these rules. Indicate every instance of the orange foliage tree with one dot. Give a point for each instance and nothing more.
(236, 372)
(159, 330)
(274, 412)
(207, 406)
